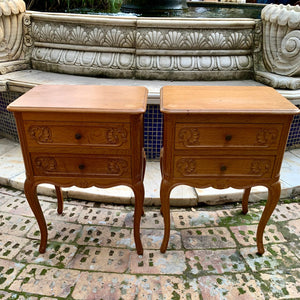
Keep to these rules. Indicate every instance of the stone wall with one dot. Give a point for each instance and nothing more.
(131, 47)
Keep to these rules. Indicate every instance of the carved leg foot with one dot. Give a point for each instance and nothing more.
(273, 198)
(245, 200)
(60, 200)
(138, 212)
(30, 192)
(165, 190)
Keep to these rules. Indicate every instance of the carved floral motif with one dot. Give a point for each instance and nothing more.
(266, 137)
(46, 164)
(116, 136)
(186, 166)
(41, 134)
(117, 167)
(260, 167)
(189, 136)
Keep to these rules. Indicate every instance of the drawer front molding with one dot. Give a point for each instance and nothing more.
(77, 166)
(61, 134)
(227, 135)
(224, 166)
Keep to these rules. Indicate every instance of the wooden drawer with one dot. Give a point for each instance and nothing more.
(227, 135)
(116, 135)
(74, 165)
(213, 166)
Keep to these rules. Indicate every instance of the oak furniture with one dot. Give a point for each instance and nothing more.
(223, 137)
(83, 136)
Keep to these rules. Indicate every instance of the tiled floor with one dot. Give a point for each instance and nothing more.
(91, 253)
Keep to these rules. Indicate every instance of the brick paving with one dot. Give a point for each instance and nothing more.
(91, 255)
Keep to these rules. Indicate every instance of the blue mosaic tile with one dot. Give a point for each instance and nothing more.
(294, 135)
(7, 121)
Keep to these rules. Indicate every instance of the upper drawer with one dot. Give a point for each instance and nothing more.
(227, 135)
(68, 134)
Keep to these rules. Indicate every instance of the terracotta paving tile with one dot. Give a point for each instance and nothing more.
(70, 213)
(15, 225)
(29, 298)
(281, 285)
(293, 227)
(8, 272)
(56, 254)
(101, 259)
(154, 262)
(20, 206)
(152, 238)
(276, 256)
(58, 231)
(11, 245)
(246, 234)
(285, 212)
(151, 220)
(207, 238)
(233, 217)
(45, 281)
(100, 216)
(236, 286)
(203, 262)
(105, 236)
(8, 191)
(7, 296)
(187, 219)
(294, 247)
(94, 286)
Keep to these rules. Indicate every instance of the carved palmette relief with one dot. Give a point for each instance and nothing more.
(281, 39)
(116, 136)
(186, 166)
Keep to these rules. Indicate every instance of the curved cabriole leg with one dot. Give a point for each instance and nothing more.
(60, 200)
(143, 176)
(165, 190)
(30, 192)
(139, 193)
(273, 198)
(245, 200)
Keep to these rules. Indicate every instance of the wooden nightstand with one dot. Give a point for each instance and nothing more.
(223, 137)
(84, 136)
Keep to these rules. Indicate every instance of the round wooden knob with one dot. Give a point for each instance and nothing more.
(223, 168)
(81, 166)
(78, 136)
(228, 137)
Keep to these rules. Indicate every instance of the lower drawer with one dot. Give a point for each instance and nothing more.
(75, 165)
(189, 166)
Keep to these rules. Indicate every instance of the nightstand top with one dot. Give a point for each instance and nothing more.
(224, 99)
(83, 98)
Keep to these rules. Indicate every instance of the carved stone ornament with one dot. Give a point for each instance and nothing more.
(189, 136)
(116, 136)
(117, 167)
(266, 136)
(11, 38)
(281, 39)
(42, 134)
(46, 164)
